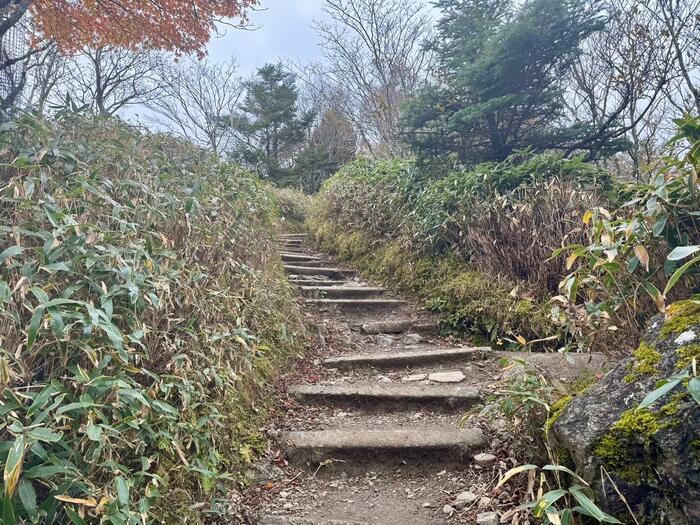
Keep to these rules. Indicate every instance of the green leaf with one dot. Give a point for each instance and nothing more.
(561, 468)
(681, 252)
(74, 517)
(679, 273)
(8, 511)
(94, 432)
(27, 496)
(652, 396)
(34, 325)
(122, 490)
(44, 434)
(76, 406)
(694, 389)
(659, 226)
(592, 508)
(546, 501)
(10, 252)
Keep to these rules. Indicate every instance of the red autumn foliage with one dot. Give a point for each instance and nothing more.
(182, 26)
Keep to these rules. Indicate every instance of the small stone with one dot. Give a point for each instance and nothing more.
(442, 473)
(412, 339)
(284, 494)
(427, 505)
(414, 378)
(447, 377)
(484, 502)
(448, 509)
(487, 518)
(288, 506)
(384, 340)
(464, 498)
(485, 460)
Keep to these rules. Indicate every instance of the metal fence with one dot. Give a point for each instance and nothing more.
(13, 44)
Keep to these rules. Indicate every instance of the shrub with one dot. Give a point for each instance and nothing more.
(143, 310)
(638, 257)
(293, 206)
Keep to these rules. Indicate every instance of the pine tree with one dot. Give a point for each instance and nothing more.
(499, 71)
(271, 126)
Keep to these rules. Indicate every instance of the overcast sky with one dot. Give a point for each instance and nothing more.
(283, 32)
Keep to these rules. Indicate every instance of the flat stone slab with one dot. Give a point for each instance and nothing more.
(308, 264)
(447, 377)
(450, 395)
(356, 303)
(406, 358)
(346, 292)
(317, 445)
(291, 257)
(316, 282)
(387, 327)
(329, 272)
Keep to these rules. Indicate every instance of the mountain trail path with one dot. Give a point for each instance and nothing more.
(382, 422)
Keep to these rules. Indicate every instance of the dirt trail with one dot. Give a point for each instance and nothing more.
(381, 428)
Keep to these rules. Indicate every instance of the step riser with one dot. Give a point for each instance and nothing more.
(333, 273)
(383, 404)
(354, 305)
(342, 293)
(309, 264)
(363, 446)
(407, 360)
(288, 257)
(319, 282)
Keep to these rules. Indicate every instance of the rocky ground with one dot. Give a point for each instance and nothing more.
(386, 428)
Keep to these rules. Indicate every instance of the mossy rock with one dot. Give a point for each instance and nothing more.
(651, 454)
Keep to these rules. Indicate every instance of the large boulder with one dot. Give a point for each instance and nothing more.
(652, 454)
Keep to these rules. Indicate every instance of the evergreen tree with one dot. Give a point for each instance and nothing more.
(499, 71)
(271, 127)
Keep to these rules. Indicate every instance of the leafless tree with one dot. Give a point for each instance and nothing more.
(681, 21)
(108, 79)
(197, 101)
(617, 83)
(48, 72)
(374, 60)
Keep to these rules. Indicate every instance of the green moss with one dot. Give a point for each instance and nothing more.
(465, 299)
(680, 316)
(646, 361)
(556, 411)
(686, 354)
(627, 450)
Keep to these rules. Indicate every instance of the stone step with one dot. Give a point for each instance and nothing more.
(375, 444)
(335, 273)
(315, 282)
(290, 241)
(341, 292)
(356, 304)
(308, 264)
(293, 235)
(291, 256)
(408, 358)
(395, 394)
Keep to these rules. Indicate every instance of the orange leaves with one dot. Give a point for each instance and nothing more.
(182, 26)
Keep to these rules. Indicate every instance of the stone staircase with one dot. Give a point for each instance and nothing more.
(385, 434)
(377, 427)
